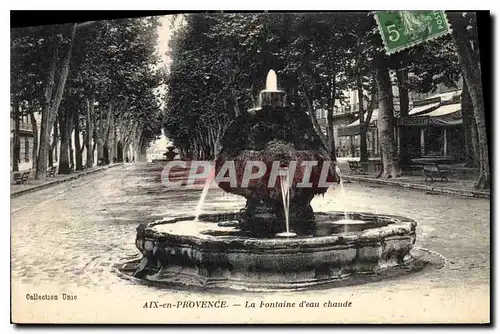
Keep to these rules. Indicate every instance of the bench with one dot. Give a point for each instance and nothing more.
(433, 170)
(355, 167)
(51, 171)
(21, 177)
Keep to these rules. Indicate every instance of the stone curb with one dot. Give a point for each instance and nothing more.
(52, 183)
(441, 190)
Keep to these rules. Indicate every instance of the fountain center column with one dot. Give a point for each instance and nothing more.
(272, 96)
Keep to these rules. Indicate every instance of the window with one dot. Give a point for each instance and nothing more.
(26, 150)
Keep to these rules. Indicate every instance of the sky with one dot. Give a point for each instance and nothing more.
(164, 35)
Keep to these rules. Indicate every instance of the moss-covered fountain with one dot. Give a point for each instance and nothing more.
(276, 241)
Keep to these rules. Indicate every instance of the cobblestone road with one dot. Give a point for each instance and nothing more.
(66, 238)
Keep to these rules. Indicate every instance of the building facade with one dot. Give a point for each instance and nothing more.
(433, 127)
(26, 140)
(26, 135)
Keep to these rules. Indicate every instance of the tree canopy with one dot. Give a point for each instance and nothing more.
(220, 62)
(112, 68)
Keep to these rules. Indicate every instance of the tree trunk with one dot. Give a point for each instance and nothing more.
(469, 129)
(105, 150)
(369, 113)
(363, 127)
(143, 146)
(45, 148)
(89, 131)
(124, 151)
(471, 71)
(16, 140)
(312, 116)
(53, 144)
(100, 151)
(51, 106)
(78, 151)
(63, 76)
(94, 144)
(50, 156)
(67, 116)
(35, 139)
(475, 141)
(404, 107)
(102, 135)
(329, 117)
(115, 145)
(385, 123)
(64, 126)
(109, 142)
(70, 145)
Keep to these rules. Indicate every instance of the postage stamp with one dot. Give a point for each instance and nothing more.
(401, 30)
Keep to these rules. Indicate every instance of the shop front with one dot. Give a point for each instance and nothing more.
(435, 134)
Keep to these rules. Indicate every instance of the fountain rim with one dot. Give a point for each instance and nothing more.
(400, 227)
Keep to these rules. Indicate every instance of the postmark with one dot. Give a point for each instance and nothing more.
(401, 30)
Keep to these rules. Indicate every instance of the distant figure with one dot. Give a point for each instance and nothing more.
(133, 159)
(126, 159)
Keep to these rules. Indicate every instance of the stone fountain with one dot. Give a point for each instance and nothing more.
(276, 241)
(170, 154)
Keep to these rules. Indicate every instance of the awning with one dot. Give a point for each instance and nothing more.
(445, 110)
(446, 115)
(354, 128)
(448, 96)
(423, 106)
(423, 109)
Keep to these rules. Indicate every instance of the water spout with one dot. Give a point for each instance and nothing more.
(201, 201)
(342, 190)
(271, 96)
(271, 81)
(285, 184)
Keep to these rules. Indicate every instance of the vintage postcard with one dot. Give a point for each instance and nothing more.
(251, 168)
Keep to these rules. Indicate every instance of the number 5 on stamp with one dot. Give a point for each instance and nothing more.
(403, 29)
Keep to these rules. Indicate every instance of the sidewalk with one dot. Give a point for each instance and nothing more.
(34, 185)
(454, 187)
(459, 184)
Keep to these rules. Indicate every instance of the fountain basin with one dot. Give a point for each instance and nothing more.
(214, 252)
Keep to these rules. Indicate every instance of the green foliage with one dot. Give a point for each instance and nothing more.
(30, 63)
(115, 60)
(220, 62)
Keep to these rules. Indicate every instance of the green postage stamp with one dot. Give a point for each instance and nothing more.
(403, 29)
